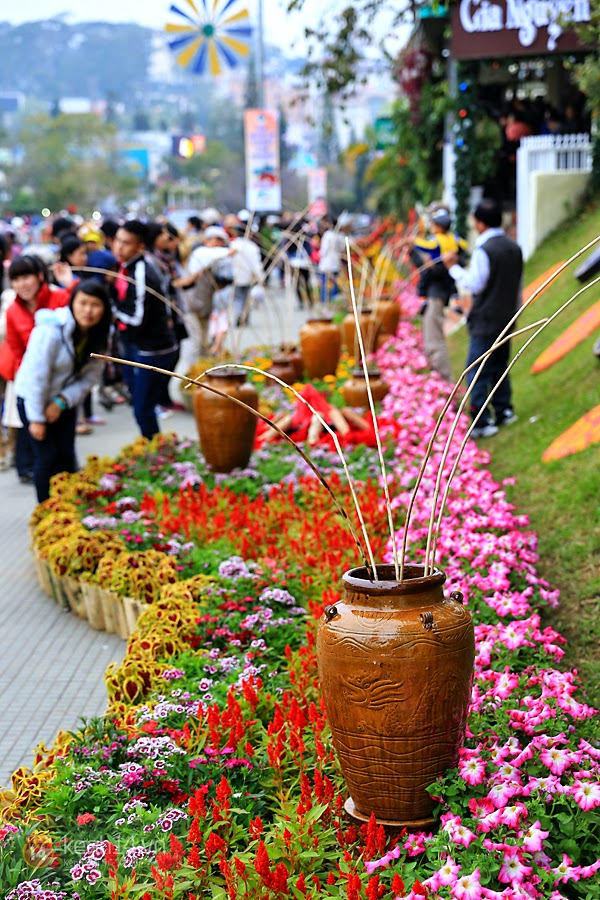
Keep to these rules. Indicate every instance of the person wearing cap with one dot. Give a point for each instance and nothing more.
(494, 280)
(247, 267)
(436, 286)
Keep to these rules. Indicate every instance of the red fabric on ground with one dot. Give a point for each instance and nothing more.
(298, 429)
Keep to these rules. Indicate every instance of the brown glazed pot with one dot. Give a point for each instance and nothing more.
(387, 312)
(321, 343)
(294, 355)
(370, 328)
(283, 368)
(354, 391)
(395, 665)
(226, 431)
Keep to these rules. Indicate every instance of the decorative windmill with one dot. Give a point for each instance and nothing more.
(209, 40)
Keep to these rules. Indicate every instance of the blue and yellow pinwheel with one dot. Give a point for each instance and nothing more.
(209, 39)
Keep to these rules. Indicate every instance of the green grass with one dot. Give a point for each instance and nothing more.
(562, 499)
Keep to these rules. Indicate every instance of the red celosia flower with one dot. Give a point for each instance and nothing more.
(301, 885)
(262, 862)
(214, 844)
(397, 884)
(166, 861)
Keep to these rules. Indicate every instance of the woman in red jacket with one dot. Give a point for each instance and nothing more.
(29, 280)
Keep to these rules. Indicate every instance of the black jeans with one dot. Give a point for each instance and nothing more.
(24, 453)
(494, 368)
(56, 453)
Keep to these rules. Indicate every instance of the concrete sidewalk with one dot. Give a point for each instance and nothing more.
(52, 664)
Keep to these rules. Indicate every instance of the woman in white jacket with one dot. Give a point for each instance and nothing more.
(57, 373)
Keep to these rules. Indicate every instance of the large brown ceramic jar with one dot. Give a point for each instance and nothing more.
(395, 665)
(283, 368)
(225, 429)
(354, 391)
(370, 328)
(321, 343)
(387, 312)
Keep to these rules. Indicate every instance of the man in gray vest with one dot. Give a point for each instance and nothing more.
(493, 279)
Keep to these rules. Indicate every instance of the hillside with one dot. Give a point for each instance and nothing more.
(562, 499)
(53, 59)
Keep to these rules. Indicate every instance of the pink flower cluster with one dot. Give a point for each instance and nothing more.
(522, 757)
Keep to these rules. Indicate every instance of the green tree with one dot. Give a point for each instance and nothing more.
(69, 160)
(339, 43)
(410, 169)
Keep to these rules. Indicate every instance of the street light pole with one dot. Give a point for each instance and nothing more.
(260, 57)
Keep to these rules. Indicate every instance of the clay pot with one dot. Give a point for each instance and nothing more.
(294, 355)
(283, 368)
(370, 328)
(354, 391)
(387, 312)
(395, 665)
(225, 429)
(321, 343)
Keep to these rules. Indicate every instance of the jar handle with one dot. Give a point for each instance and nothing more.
(456, 596)
(330, 613)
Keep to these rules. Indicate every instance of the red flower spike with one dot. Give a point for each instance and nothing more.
(301, 885)
(280, 878)
(397, 884)
(193, 858)
(166, 861)
(373, 888)
(256, 827)
(262, 862)
(214, 844)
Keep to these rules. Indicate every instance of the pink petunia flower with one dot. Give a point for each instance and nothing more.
(467, 887)
(586, 794)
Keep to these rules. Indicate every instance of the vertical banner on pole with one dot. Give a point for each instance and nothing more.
(263, 177)
(317, 192)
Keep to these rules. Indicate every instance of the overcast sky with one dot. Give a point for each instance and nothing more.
(280, 27)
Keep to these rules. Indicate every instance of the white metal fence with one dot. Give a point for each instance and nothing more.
(546, 153)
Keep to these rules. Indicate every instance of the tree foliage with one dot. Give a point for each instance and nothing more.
(340, 40)
(410, 169)
(70, 159)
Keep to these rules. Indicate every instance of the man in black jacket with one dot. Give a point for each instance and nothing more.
(494, 279)
(143, 322)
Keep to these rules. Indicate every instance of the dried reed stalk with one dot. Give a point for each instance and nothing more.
(456, 387)
(329, 431)
(388, 503)
(430, 553)
(125, 362)
(504, 335)
(149, 290)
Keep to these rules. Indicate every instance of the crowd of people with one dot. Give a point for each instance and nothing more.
(169, 299)
(145, 293)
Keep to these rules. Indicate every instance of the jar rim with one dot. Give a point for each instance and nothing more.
(228, 372)
(414, 580)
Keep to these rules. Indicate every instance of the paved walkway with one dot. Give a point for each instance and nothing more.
(51, 663)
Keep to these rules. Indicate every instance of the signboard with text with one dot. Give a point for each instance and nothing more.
(263, 177)
(484, 29)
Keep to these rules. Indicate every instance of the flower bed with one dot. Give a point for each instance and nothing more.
(213, 773)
